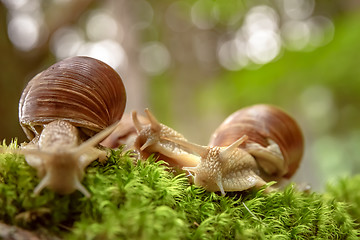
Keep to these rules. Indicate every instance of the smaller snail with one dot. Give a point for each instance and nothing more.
(152, 139)
(275, 139)
(59, 110)
(252, 146)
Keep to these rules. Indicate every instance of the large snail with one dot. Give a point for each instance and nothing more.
(59, 110)
(252, 146)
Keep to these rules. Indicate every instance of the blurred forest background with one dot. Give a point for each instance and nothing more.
(193, 62)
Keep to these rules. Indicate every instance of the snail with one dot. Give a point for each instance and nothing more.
(59, 110)
(152, 138)
(275, 139)
(252, 146)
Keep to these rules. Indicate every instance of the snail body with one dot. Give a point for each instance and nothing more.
(59, 110)
(152, 138)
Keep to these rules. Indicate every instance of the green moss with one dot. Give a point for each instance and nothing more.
(144, 200)
(347, 190)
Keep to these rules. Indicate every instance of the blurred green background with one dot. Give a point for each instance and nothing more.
(193, 62)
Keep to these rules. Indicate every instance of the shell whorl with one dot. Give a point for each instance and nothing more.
(82, 90)
(261, 123)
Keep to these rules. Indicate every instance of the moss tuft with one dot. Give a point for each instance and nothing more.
(347, 190)
(143, 200)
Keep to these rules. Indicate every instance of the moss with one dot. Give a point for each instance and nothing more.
(347, 190)
(144, 200)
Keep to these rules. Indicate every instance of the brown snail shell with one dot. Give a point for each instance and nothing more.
(81, 90)
(266, 126)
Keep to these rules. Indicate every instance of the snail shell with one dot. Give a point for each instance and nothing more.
(81, 90)
(274, 137)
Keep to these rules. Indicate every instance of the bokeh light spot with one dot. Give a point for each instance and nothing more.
(14, 4)
(296, 35)
(260, 18)
(263, 47)
(299, 9)
(142, 12)
(154, 58)
(232, 55)
(177, 16)
(24, 31)
(66, 42)
(100, 26)
(322, 31)
(108, 51)
(201, 14)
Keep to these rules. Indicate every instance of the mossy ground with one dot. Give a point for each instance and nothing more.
(144, 200)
